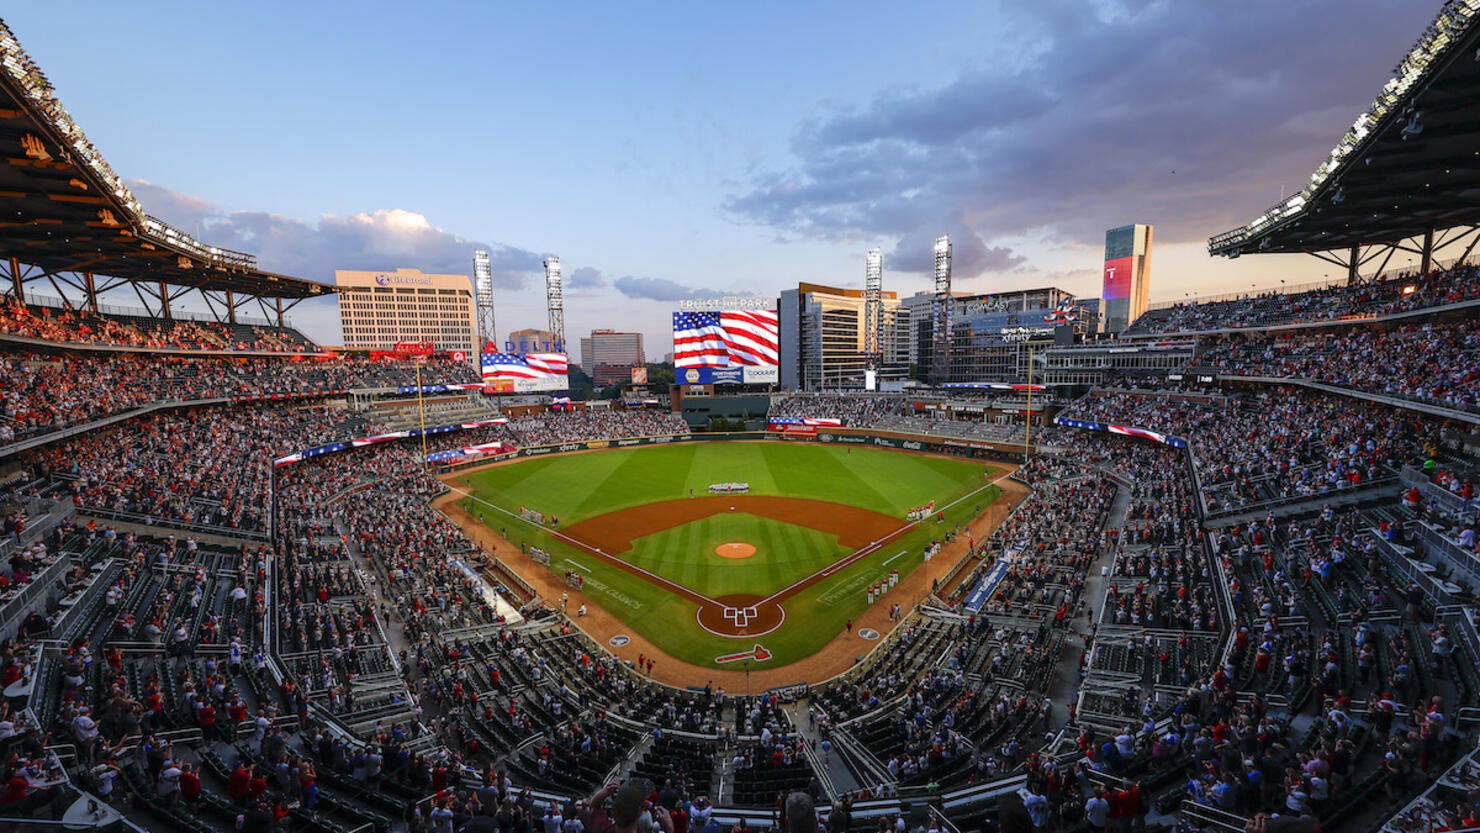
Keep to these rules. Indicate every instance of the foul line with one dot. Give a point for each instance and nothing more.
(590, 550)
(894, 556)
(869, 549)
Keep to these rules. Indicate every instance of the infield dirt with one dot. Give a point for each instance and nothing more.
(614, 532)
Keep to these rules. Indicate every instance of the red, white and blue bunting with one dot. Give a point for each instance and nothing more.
(991, 386)
(470, 451)
(1124, 430)
(331, 448)
(835, 423)
(438, 388)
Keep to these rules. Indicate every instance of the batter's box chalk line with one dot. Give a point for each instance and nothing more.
(740, 616)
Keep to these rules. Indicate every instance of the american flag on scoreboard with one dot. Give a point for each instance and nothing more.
(752, 336)
(500, 366)
(725, 339)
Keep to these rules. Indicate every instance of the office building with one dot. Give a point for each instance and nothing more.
(1127, 276)
(823, 338)
(378, 309)
(533, 341)
(609, 356)
(995, 334)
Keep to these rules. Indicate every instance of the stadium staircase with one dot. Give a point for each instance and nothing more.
(836, 772)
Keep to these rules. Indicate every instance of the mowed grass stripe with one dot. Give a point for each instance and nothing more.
(795, 544)
(822, 468)
(744, 463)
(681, 554)
(934, 477)
(636, 481)
(555, 486)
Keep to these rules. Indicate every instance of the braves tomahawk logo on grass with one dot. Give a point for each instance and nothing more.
(758, 653)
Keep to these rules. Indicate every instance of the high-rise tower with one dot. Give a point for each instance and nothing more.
(940, 331)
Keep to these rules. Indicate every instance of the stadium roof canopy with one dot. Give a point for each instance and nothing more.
(1409, 166)
(65, 213)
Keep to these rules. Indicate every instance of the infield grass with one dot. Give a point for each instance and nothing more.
(580, 486)
(784, 553)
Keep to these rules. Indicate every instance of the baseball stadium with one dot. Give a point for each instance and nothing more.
(835, 500)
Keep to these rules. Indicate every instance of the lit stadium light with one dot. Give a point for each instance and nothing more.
(1452, 20)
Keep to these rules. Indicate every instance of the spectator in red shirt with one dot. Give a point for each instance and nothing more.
(190, 787)
(239, 784)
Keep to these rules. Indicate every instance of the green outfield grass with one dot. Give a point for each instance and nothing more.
(580, 486)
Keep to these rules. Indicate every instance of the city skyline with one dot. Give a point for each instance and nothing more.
(707, 151)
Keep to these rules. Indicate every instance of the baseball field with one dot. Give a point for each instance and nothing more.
(768, 576)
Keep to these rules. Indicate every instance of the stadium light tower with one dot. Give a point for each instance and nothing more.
(940, 334)
(483, 296)
(554, 299)
(873, 307)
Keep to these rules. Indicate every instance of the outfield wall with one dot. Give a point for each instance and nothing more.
(829, 436)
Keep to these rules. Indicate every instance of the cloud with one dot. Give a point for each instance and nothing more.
(1182, 115)
(661, 289)
(381, 239)
(970, 256)
(585, 278)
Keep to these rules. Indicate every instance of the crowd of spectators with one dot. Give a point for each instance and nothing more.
(1394, 294)
(370, 583)
(1434, 363)
(896, 413)
(1380, 693)
(66, 326)
(168, 467)
(593, 424)
(1273, 445)
(854, 411)
(45, 393)
(205, 466)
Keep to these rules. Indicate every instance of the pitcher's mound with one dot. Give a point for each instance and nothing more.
(734, 550)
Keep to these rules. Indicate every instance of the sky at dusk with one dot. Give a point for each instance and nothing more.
(668, 151)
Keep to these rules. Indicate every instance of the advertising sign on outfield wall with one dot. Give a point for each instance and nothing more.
(959, 449)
